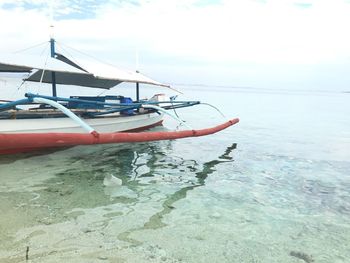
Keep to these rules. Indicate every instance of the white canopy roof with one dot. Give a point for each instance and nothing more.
(97, 75)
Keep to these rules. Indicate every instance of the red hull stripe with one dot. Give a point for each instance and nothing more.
(24, 142)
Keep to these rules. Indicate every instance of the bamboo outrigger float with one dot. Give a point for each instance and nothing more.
(26, 142)
(52, 121)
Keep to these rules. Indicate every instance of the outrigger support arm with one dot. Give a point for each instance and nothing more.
(13, 104)
(154, 107)
(66, 111)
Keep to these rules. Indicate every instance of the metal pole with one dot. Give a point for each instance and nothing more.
(137, 92)
(53, 74)
(137, 84)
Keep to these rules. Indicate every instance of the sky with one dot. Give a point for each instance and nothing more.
(277, 44)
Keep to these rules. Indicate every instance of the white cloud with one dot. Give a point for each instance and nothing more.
(234, 30)
(270, 32)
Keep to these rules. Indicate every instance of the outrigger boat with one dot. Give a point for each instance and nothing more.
(39, 122)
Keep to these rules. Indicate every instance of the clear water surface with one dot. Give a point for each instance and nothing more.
(273, 188)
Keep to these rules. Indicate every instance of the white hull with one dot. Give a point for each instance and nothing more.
(105, 124)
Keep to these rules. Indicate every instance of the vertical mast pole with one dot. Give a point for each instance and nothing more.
(53, 74)
(52, 47)
(137, 71)
(137, 92)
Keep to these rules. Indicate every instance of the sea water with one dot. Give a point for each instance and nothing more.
(273, 188)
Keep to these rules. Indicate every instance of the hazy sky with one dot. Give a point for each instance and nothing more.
(283, 44)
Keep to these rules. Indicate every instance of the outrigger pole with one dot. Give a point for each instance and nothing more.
(25, 142)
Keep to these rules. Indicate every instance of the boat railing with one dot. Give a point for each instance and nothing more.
(142, 102)
(54, 102)
(108, 107)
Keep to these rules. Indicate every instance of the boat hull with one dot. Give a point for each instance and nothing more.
(24, 142)
(64, 124)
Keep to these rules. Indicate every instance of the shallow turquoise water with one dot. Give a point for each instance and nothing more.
(274, 188)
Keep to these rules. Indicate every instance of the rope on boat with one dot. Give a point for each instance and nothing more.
(42, 74)
(165, 112)
(25, 49)
(214, 108)
(66, 111)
